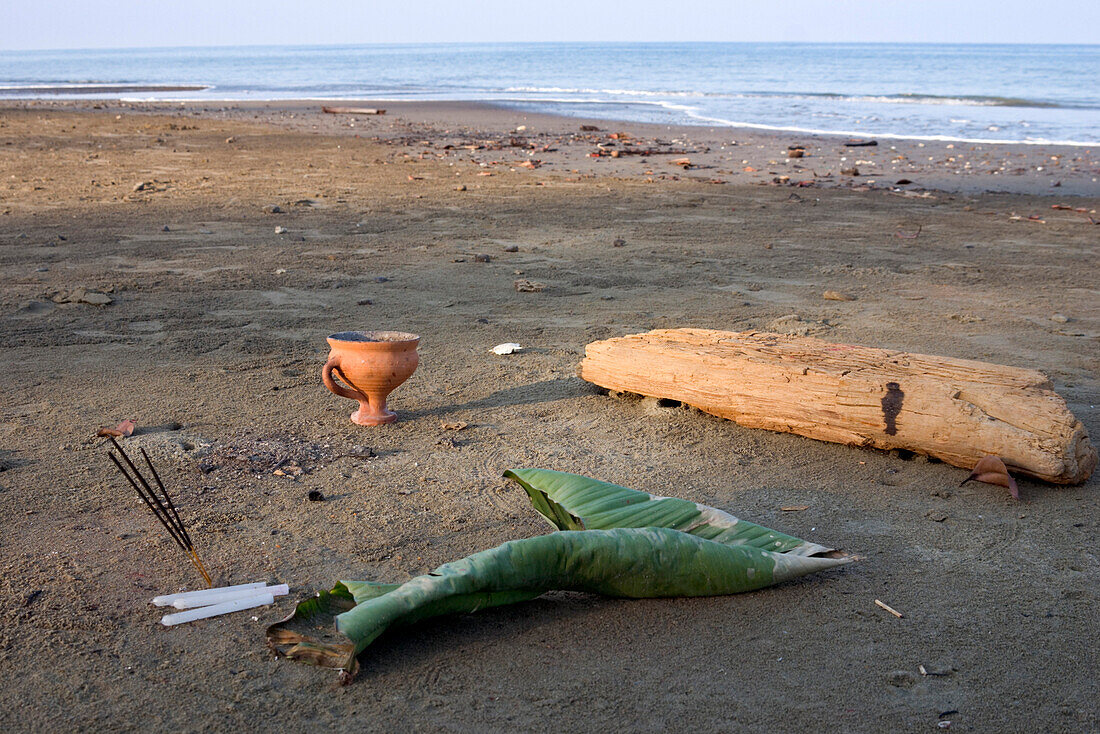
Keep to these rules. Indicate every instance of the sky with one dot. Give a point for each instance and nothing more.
(60, 24)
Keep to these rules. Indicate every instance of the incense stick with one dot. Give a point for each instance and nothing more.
(164, 510)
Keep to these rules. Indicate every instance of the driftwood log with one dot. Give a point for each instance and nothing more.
(955, 410)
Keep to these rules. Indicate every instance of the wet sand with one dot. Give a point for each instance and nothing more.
(214, 338)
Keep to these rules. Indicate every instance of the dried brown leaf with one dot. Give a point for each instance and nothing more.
(122, 430)
(991, 470)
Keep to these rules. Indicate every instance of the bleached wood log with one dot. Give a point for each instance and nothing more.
(955, 410)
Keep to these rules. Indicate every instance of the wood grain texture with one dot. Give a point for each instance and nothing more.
(955, 410)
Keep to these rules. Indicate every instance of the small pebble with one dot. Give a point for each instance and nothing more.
(315, 496)
(511, 248)
(1060, 319)
(280, 230)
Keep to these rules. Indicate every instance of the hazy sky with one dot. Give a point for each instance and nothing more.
(41, 24)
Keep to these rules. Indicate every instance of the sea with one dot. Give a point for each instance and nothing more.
(981, 93)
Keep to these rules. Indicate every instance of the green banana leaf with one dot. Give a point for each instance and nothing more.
(622, 562)
(573, 502)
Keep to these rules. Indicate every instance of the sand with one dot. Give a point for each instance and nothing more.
(214, 338)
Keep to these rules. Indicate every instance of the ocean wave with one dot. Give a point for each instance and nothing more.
(885, 135)
(973, 100)
(98, 88)
(585, 90)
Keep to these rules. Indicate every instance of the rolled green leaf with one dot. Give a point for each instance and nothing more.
(574, 502)
(622, 562)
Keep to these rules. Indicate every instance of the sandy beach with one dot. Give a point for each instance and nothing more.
(230, 240)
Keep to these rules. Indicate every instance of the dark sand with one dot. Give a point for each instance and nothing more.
(215, 337)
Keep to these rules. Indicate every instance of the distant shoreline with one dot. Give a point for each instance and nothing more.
(983, 94)
(728, 155)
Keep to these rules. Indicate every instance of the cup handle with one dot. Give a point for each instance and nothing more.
(333, 363)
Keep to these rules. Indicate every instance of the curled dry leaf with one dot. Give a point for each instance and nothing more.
(453, 425)
(122, 430)
(991, 470)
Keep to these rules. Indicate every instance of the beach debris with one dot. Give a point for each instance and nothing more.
(615, 541)
(1060, 318)
(796, 151)
(523, 285)
(144, 186)
(991, 470)
(511, 248)
(230, 140)
(280, 230)
(682, 162)
(589, 129)
(902, 182)
(1014, 217)
(794, 508)
(837, 296)
(333, 110)
(853, 171)
(460, 187)
(887, 607)
(506, 348)
(454, 425)
(909, 235)
(855, 143)
(273, 209)
(938, 671)
(916, 397)
(122, 430)
(618, 242)
(160, 504)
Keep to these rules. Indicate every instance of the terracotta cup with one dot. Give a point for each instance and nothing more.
(372, 363)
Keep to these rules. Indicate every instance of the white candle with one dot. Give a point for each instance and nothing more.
(214, 610)
(168, 599)
(209, 599)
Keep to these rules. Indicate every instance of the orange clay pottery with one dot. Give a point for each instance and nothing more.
(372, 363)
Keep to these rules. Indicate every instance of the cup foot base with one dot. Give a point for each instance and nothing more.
(373, 419)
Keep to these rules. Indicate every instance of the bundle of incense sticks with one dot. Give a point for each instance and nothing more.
(164, 509)
(212, 602)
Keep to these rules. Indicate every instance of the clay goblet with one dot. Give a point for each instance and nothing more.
(372, 363)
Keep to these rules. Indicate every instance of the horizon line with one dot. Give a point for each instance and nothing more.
(534, 43)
